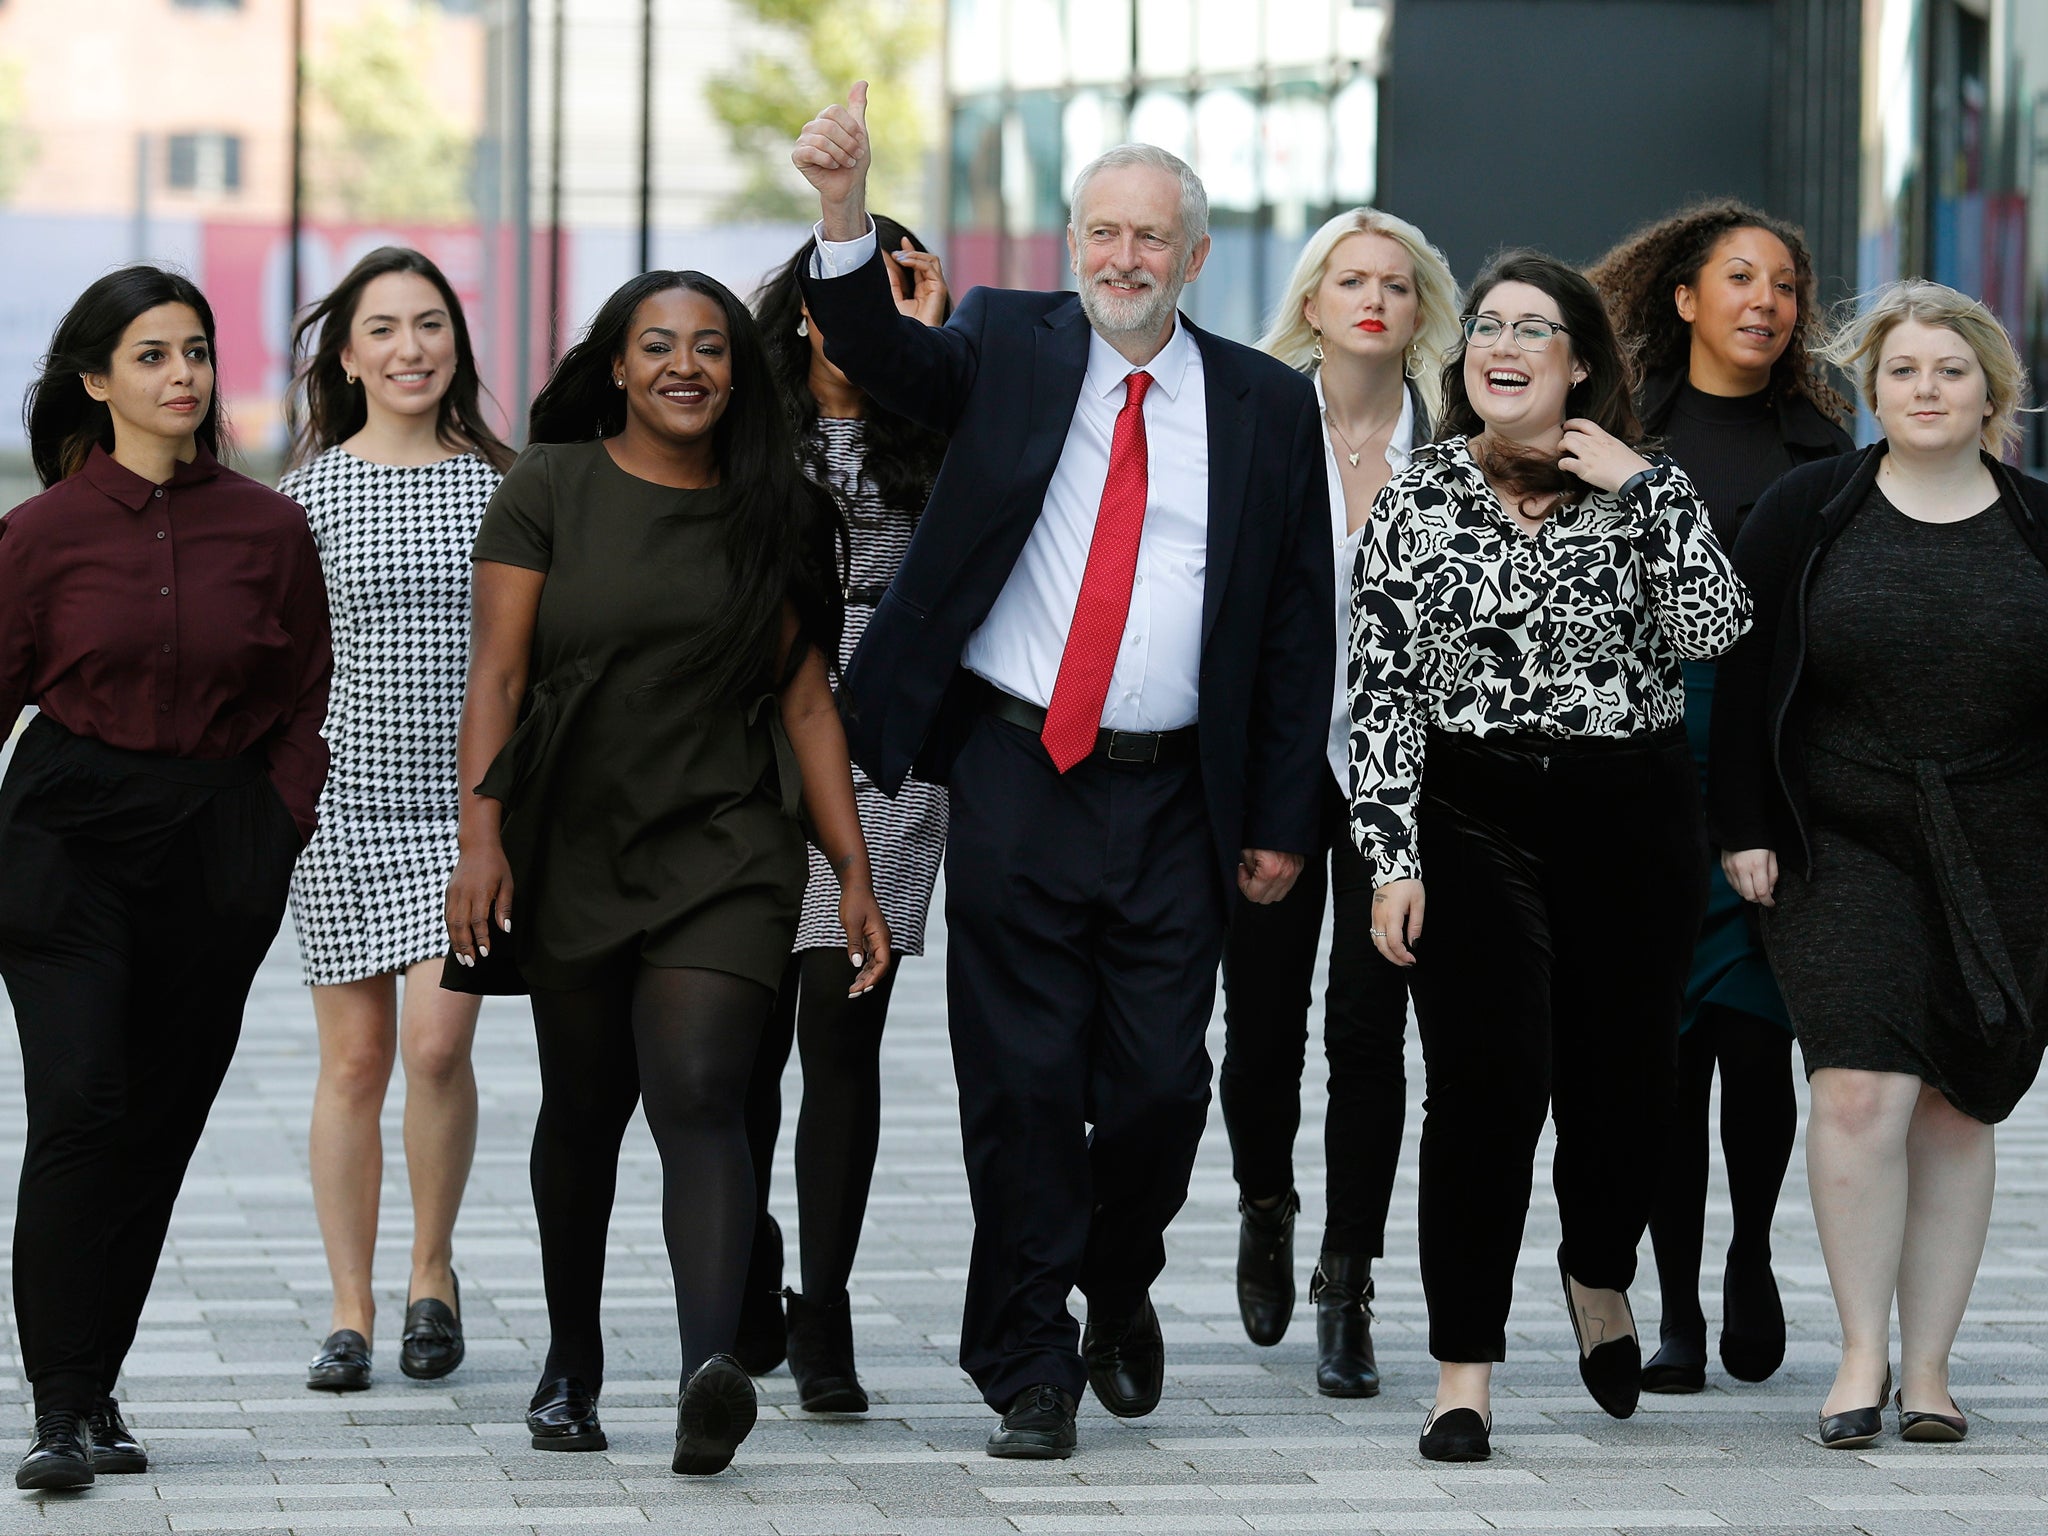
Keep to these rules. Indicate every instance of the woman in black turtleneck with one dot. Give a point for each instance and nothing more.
(1719, 303)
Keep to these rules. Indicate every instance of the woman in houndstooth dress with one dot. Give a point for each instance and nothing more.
(394, 467)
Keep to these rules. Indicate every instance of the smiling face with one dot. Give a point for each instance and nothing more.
(1519, 394)
(677, 365)
(160, 382)
(1366, 306)
(1932, 395)
(1742, 311)
(401, 344)
(1129, 250)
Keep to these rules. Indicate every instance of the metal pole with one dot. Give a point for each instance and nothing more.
(646, 135)
(295, 283)
(521, 149)
(555, 89)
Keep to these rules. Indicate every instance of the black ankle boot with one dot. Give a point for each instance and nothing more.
(821, 1355)
(1342, 1293)
(1265, 1267)
(758, 1344)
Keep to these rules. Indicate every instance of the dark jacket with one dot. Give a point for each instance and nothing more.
(1756, 786)
(1002, 379)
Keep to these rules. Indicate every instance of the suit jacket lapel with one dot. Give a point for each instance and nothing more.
(1059, 368)
(1230, 462)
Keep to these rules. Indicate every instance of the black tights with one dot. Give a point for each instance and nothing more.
(839, 1127)
(681, 1042)
(1759, 1118)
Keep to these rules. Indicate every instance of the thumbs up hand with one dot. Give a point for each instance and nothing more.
(833, 154)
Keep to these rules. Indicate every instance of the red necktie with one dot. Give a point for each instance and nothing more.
(1105, 601)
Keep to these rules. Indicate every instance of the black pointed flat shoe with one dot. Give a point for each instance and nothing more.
(60, 1456)
(563, 1417)
(433, 1345)
(1752, 1322)
(1265, 1267)
(716, 1412)
(1930, 1428)
(1459, 1435)
(1680, 1364)
(114, 1446)
(343, 1364)
(1612, 1372)
(1037, 1426)
(1855, 1428)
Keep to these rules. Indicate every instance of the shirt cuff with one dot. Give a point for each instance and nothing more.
(836, 258)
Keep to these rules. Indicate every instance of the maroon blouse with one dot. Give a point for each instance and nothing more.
(187, 619)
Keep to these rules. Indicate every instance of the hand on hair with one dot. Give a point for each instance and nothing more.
(1596, 456)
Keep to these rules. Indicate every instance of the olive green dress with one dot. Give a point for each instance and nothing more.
(643, 821)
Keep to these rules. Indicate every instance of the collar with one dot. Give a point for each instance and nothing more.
(1801, 424)
(119, 483)
(1108, 368)
(1401, 443)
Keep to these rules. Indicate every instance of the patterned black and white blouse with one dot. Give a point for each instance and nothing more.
(1463, 622)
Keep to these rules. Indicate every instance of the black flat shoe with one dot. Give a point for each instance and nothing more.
(821, 1355)
(1342, 1292)
(432, 1346)
(1752, 1322)
(761, 1343)
(1126, 1361)
(563, 1417)
(1459, 1435)
(1930, 1428)
(1856, 1427)
(1613, 1372)
(60, 1456)
(716, 1412)
(1037, 1426)
(1265, 1267)
(114, 1447)
(1680, 1364)
(343, 1364)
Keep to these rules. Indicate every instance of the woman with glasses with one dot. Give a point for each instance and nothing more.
(1526, 593)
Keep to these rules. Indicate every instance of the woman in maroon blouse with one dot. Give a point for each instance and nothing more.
(167, 618)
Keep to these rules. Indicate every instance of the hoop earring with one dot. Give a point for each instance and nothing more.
(803, 325)
(349, 376)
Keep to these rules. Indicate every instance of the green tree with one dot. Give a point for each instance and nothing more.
(765, 103)
(383, 148)
(17, 144)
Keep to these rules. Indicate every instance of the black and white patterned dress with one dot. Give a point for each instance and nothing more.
(394, 543)
(906, 836)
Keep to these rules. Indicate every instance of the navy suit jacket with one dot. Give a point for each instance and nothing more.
(1002, 379)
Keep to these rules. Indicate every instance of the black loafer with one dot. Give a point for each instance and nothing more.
(1126, 1361)
(1265, 1267)
(1342, 1292)
(716, 1412)
(1930, 1428)
(1459, 1435)
(821, 1356)
(563, 1417)
(1680, 1364)
(1855, 1428)
(432, 1346)
(1037, 1426)
(343, 1364)
(1612, 1372)
(60, 1456)
(761, 1342)
(114, 1446)
(1752, 1322)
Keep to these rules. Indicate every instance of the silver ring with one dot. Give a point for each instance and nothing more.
(1378, 933)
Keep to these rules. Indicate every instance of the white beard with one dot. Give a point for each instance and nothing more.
(1141, 314)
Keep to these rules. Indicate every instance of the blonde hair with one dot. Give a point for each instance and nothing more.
(1858, 344)
(1289, 338)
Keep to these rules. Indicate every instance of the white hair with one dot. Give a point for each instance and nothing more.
(1194, 197)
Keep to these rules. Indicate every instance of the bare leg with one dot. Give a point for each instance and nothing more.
(435, 1033)
(1856, 1173)
(1467, 1384)
(1952, 1164)
(358, 1023)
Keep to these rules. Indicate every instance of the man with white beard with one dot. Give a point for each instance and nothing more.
(1112, 637)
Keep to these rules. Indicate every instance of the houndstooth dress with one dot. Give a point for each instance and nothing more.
(906, 836)
(394, 544)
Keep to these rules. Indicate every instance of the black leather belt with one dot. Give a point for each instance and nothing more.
(1133, 749)
(864, 597)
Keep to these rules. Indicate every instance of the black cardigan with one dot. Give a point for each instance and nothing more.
(1756, 790)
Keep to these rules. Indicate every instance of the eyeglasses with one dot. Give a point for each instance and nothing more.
(1530, 335)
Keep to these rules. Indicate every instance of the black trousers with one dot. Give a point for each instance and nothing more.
(1084, 916)
(140, 894)
(1565, 883)
(1269, 963)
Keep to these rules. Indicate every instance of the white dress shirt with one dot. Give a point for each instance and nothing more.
(1400, 446)
(1154, 685)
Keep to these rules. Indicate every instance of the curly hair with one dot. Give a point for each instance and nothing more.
(1639, 277)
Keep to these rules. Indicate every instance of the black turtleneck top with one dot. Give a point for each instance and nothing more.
(1730, 447)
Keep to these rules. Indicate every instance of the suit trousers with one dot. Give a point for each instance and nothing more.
(1269, 964)
(140, 896)
(1565, 882)
(1084, 917)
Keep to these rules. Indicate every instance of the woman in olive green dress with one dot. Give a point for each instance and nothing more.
(648, 722)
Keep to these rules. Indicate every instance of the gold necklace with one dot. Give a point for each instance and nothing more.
(1351, 454)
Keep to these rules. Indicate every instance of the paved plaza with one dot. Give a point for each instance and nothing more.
(1240, 1442)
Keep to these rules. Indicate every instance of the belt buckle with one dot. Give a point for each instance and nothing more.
(1133, 747)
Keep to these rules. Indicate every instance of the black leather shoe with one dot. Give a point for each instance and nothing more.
(60, 1456)
(1037, 1426)
(760, 1344)
(1342, 1293)
(343, 1364)
(1126, 1361)
(1265, 1267)
(433, 1345)
(821, 1355)
(715, 1413)
(1459, 1435)
(1680, 1364)
(1855, 1428)
(1613, 1372)
(563, 1417)
(1752, 1322)
(1930, 1428)
(114, 1447)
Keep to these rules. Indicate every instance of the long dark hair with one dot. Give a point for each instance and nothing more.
(902, 457)
(323, 408)
(64, 423)
(785, 536)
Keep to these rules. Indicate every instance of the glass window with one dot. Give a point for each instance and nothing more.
(1098, 41)
(1295, 163)
(1355, 131)
(1091, 122)
(1037, 53)
(1165, 38)
(204, 162)
(1162, 118)
(1226, 36)
(1299, 31)
(1227, 148)
(1361, 29)
(974, 45)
